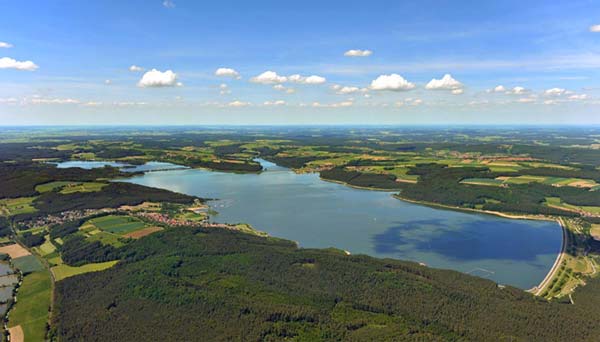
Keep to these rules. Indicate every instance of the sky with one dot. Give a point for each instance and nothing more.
(176, 62)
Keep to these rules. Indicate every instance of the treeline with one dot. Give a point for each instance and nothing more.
(20, 179)
(219, 285)
(441, 184)
(355, 178)
(112, 195)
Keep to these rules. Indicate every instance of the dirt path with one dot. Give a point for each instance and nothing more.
(16, 334)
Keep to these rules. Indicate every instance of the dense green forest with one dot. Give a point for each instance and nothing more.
(218, 285)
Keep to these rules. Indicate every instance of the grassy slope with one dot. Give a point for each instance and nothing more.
(216, 285)
(31, 310)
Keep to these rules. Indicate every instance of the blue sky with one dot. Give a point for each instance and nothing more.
(70, 62)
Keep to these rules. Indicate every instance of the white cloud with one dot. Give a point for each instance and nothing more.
(393, 82)
(237, 103)
(458, 91)
(135, 68)
(107, 82)
(283, 88)
(526, 100)
(314, 79)
(228, 72)
(224, 89)
(497, 89)
(517, 91)
(445, 83)
(155, 78)
(409, 102)
(268, 77)
(274, 103)
(9, 63)
(595, 28)
(578, 97)
(345, 90)
(168, 4)
(5, 45)
(9, 100)
(358, 53)
(555, 92)
(333, 105)
(39, 100)
(271, 77)
(92, 104)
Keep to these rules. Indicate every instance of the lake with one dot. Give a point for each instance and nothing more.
(316, 213)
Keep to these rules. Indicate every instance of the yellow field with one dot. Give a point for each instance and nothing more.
(63, 271)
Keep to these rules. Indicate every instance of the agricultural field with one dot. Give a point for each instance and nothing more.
(68, 187)
(16, 206)
(117, 224)
(31, 310)
(28, 264)
(63, 271)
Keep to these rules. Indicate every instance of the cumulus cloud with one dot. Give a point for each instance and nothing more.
(556, 92)
(595, 28)
(227, 72)
(135, 68)
(342, 104)
(268, 77)
(358, 53)
(526, 100)
(409, 102)
(516, 91)
(345, 90)
(281, 87)
(155, 79)
(457, 91)
(40, 100)
(274, 103)
(578, 97)
(271, 77)
(497, 89)
(392, 82)
(5, 45)
(238, 104)
(8, 100)
(107, 82)
(445, 83)
(224, 89)
(9, 63)
(314, 79)
(168, 4)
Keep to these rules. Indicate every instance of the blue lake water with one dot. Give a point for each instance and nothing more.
(316, 213)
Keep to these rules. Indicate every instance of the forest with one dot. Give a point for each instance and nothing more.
(218, 285)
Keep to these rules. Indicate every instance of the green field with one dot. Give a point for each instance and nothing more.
(106, 238)
(69, 187)
(15, 206)
(31, 309)
(28, 264)
(46, 187)
(82, 187)
(482, 181)
(64, 271)
(118, 224)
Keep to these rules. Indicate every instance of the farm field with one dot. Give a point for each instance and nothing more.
(15, 206)
(118, 224)
(28, 264)
(64, 271)
(31, 310)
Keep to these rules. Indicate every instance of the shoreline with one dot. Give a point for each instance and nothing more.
(537, 290)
